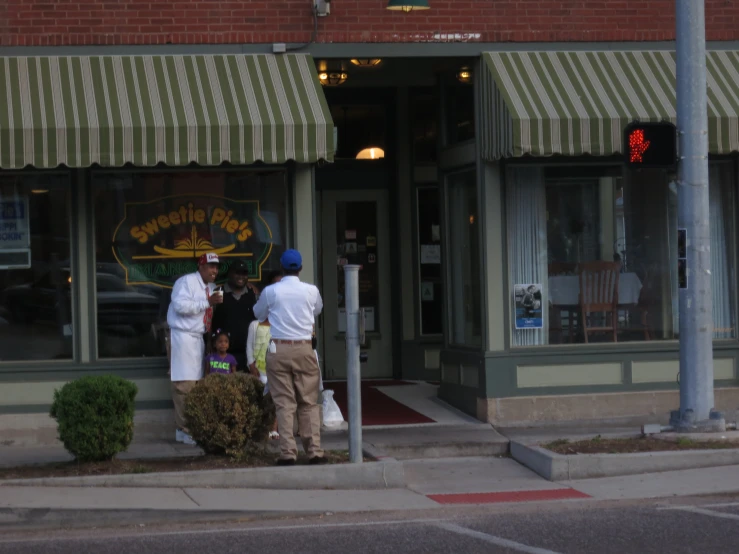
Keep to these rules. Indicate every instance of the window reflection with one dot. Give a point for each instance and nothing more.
(150, 227)
(36, 293)
(603, 249)
(459, 106)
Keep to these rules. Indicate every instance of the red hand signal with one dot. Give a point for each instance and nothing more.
(638, 145)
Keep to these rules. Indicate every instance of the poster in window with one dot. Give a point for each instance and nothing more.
(15, 235)
(528, 302)
(430, 254)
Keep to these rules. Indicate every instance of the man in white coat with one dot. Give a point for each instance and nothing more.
(189, 317)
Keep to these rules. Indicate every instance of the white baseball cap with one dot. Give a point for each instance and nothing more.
(209, 258)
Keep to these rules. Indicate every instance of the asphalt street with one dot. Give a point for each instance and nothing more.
(708, 524)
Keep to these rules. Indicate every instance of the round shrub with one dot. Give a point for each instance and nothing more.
(227, 414)
(95, 416)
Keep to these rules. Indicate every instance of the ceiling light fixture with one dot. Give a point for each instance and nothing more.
(372, 153)
(407, 5)
(366, 62)
(464, 75)
(332, 78)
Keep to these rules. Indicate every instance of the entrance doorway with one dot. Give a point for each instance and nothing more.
(355, 229)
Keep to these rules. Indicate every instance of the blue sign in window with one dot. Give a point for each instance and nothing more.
(12, 210)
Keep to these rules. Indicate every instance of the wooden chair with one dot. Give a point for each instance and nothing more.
(599, 297)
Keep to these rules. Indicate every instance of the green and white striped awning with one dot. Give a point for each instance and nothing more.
(145, 110)
(575, 103)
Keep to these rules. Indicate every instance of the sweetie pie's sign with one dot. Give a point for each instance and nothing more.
(161, 240)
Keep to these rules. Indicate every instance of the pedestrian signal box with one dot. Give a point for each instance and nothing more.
(650, 144)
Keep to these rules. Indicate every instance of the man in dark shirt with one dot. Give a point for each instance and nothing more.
(237, 311)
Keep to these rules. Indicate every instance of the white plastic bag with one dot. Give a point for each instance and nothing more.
(331, 413)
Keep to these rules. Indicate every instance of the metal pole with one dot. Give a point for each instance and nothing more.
(353, 379)
(696, 304)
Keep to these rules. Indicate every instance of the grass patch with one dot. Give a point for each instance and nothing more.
(600, 445)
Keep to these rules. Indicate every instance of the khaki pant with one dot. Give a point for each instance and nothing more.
(180, 390)
(293, 377)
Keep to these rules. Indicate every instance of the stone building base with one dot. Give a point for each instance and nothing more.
(622, 407)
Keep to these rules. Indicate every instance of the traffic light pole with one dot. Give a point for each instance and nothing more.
(696, 302)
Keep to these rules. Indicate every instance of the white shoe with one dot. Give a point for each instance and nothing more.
(180, 435)
(187, 439)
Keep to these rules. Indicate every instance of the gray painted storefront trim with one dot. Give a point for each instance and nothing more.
(498, 377)
(352, 49)
(131, 369)
(461, 397)
(44, 408)
(413, 359)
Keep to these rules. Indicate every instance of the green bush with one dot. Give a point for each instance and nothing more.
(95, 416)
(228, 414)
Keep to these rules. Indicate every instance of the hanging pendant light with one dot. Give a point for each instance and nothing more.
(372, 153)
(366, 62)
(464, 75)
(332, 78)
(407, 5)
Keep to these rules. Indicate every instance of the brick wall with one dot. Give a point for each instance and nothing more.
(80, 22)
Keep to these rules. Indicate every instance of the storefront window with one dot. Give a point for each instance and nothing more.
(360, 127)
(464, 261)
(424, 117)
(593, 254)
(150, 227)
(429, 247)
(459, 110)
(36, 306)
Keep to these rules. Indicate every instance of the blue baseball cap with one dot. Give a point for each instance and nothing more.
(291, 259)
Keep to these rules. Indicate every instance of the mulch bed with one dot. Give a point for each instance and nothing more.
(599, 445)
(141, 466)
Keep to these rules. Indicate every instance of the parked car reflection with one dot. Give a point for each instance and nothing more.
(48, 298)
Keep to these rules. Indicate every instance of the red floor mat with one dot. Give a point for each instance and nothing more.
(377, 408)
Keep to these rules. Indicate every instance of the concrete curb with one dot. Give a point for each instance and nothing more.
(50, 518)
(367, 476)
(558, 467)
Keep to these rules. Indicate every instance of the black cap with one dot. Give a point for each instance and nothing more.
(239, 267)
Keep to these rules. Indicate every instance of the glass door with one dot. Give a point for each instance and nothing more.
(355, 230)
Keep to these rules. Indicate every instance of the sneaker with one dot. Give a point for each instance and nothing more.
(187, 439)
(179, 435)
(285, 462)
(318, 461)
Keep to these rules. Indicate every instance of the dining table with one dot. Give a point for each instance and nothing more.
(564, 296)
(564, 290)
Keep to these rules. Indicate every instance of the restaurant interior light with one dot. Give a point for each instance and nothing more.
(372, 153)
(464, 75)
(366, 62)
(407, 5)
(332, 78)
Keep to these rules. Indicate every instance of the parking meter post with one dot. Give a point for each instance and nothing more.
(353, 377)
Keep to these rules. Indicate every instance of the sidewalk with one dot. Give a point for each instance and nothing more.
(453, 461)
(431, 485)
(448, 433)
